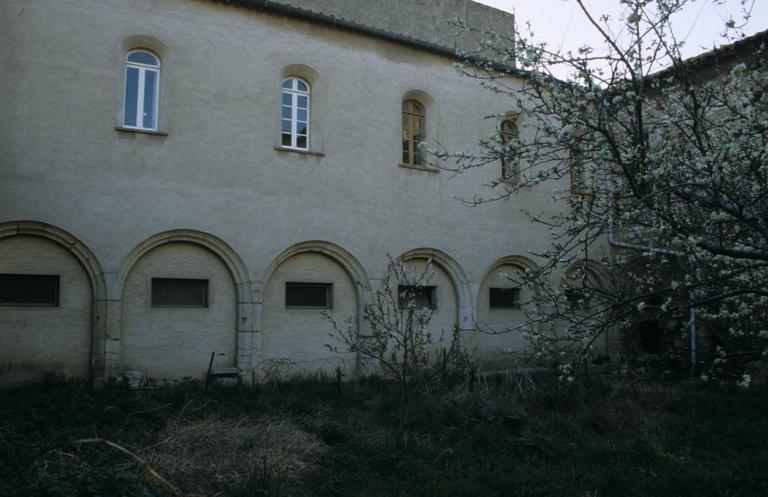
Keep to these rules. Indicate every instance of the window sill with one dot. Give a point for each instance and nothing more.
(299, 151)
(141, 131)
(427, 169)
(30, 304)
(308, 307)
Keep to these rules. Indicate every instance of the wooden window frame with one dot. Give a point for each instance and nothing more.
(507, 131)
(413, 110)
(577, 173)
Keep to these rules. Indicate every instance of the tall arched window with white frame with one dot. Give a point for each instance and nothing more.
(142, 89)
(295, 121)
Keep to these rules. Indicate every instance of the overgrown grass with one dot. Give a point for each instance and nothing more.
(320, 438)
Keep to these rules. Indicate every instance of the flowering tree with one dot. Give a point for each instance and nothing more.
(398, 342)
(660, 166)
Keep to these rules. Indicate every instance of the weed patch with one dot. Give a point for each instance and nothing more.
(315, 437)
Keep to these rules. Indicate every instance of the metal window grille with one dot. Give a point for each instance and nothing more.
(577, 298)
(504, 298)
(309, 295)
(179, 292)
(422, 296)
(29, 289)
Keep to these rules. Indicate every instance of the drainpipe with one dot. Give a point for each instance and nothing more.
(615, 242)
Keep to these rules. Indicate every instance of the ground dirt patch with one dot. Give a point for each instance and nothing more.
(220, 456)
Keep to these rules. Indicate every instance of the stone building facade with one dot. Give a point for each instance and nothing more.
(210, 186)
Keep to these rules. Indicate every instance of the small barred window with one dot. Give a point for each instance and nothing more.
(29, 289)
(422, 296)
(309, 295)
(179, 292)
(504, 298)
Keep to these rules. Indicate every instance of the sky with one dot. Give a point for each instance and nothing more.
(562, 24)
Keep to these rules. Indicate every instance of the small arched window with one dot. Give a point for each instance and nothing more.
(142, 89)
(508, 131)
(295, 123)
(577, 166)
(413, 132)
(578, 185)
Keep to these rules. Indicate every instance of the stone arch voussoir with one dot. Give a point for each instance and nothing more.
(227, 254)
(346, 260)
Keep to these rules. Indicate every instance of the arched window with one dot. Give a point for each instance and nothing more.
(509, 172)
(578, 185)
(413, 132)
(295, 130)
(577, 165)
(142, 89)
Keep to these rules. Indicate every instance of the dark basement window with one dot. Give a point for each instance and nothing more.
(308, 295)
(179, 292)
(504, 298)
(423, 296)
(29, 289)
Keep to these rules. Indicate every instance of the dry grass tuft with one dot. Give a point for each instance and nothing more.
(216, 456)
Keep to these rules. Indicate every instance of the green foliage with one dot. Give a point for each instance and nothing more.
(605, 438)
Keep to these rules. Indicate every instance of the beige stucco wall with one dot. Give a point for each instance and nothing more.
(176, 342)
(217, 172)
(500, 328)
(39, 339)
(444, 318)
(294, 340)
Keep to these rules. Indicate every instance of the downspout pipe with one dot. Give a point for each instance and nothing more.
(615, 242)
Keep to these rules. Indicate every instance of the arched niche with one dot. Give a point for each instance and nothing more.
(581, 285)
(148, 42)
(175, 339)
(301, 71)
(454, 312)
(294, 335)
(61, 337)
(504, 305)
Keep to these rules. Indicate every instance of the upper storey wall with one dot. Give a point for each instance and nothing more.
(218, 169)
(426, 21)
